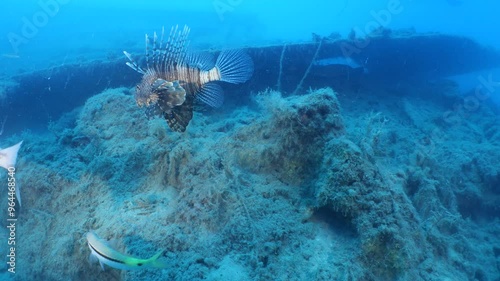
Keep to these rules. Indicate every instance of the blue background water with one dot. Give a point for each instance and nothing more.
(81, 27)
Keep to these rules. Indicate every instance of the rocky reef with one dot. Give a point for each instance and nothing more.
(287, 188)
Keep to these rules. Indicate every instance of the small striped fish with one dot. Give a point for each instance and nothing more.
(175, 79)
(106, 255)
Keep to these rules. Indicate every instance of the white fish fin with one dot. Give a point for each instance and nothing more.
(8, 156)
(18, 193)
(235, 66)
(202, 60)
(211, 94)
(155, 262)
(114, 243)
(102, 265)
(93, 258)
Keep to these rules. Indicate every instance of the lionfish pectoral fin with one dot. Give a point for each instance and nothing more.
(161, 84)
(152, 111)
(211, 94)
(171, 93)
(132, 64)
(179, 117)
(169, 87)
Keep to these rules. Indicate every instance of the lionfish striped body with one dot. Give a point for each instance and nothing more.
(174, 80)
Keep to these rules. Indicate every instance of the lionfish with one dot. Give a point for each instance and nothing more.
(175, 79)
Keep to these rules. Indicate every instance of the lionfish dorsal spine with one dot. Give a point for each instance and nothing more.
(175, 49)
(147, 51)
(155, 55)
(168, 48)
(161, 51)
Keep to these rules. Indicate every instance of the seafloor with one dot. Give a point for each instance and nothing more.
(362, 185)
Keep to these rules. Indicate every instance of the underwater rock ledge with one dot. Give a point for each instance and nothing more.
(282, 192)
(289, 140)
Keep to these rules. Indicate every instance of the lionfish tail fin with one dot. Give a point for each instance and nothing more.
(235, 66)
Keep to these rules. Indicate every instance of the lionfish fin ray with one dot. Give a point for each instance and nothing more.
(175, 49)
(201, 60)
(235, 66)
(132, 64)
(147, 51)
(180, 116)
(211, 94)
(156, 52)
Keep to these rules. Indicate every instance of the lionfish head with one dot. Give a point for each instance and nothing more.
(145, 95)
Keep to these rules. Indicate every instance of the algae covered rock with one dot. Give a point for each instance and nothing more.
(289, 138)
(351, 188)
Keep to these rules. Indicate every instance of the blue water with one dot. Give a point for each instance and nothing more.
(75, 27)
(364, 146)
